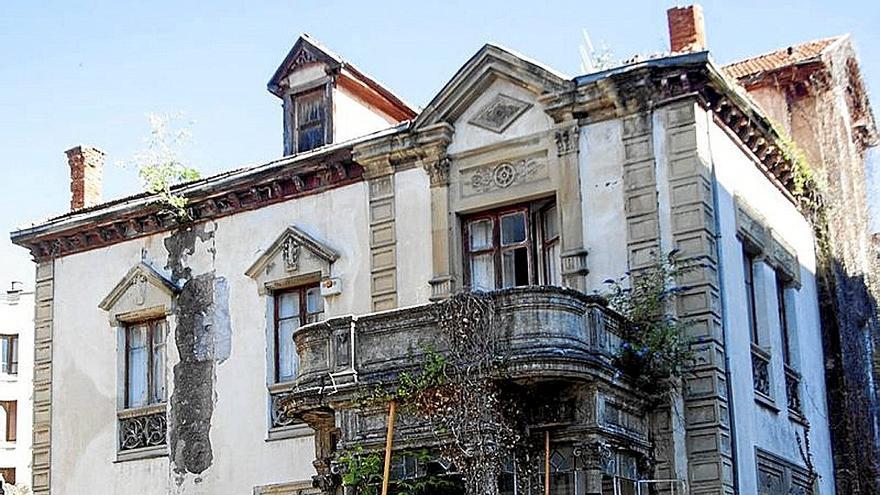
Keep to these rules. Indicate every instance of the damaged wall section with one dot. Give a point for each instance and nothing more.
(203, 338)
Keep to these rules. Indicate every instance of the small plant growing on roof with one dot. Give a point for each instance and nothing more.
(160, 165)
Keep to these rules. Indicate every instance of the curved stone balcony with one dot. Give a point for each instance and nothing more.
(548, 332)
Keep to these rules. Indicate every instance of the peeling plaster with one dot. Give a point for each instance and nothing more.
(203, 337)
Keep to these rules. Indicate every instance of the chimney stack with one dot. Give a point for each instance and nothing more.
(86, 171)
(687, 32)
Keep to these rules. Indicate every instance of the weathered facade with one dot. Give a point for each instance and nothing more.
(226, 351)
(815, 92)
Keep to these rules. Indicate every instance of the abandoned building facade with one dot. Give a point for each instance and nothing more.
(225, 352)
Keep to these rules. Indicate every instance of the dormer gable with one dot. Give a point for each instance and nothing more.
(143, 291)
(327, 100)
(294, 255)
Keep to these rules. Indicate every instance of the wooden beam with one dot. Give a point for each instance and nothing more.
(392, 413)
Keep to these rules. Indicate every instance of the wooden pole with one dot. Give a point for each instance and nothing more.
(547, 462)
(392, 413)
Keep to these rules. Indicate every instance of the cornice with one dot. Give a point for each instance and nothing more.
(149, 217)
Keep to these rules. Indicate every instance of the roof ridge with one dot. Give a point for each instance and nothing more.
(777, 50)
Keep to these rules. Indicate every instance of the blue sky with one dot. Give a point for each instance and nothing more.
(88, 72)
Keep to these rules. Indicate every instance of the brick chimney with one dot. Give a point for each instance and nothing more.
(86, 171)
(687, 32)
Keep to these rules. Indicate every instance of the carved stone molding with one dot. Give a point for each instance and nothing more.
(487, 178)
(500, 113)
(438, 171)
(293, 254)
(567, 140)
(753, 230)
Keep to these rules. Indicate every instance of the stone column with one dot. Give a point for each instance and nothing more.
(570, 206)
(434, 140)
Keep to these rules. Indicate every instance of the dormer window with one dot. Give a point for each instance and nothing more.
(310, 119)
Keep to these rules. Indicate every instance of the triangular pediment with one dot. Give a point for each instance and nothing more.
(142, 286)
(305, 51)
(293, 252)
(492, 63)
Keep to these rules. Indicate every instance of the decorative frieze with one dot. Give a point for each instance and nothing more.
(492, 177)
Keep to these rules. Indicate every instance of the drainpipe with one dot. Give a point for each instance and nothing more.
(725, 333)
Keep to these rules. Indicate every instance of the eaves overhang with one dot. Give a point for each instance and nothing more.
(213, 197)
(645, 85)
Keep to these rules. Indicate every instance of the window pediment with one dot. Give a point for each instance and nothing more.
(294, 254)
(143, 288)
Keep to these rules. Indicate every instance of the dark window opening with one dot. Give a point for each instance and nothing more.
(783, 320)
(751, 301)
(512, 246)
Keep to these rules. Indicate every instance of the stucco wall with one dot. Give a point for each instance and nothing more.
(756, 425)
(601, 168)
(85, 352)
(354, 118)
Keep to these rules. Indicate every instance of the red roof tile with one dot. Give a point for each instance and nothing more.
(797, 54)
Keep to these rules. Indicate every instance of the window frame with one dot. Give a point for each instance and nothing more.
(535, 243)
(150, 345)
(782, 309)
(305, 317)
(749, 261)
(11, 409)
(323, 94)
(10, 360)
(548, 244)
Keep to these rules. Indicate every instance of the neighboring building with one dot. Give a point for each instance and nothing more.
(16, 383)
(815, 92)
(166, 349)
